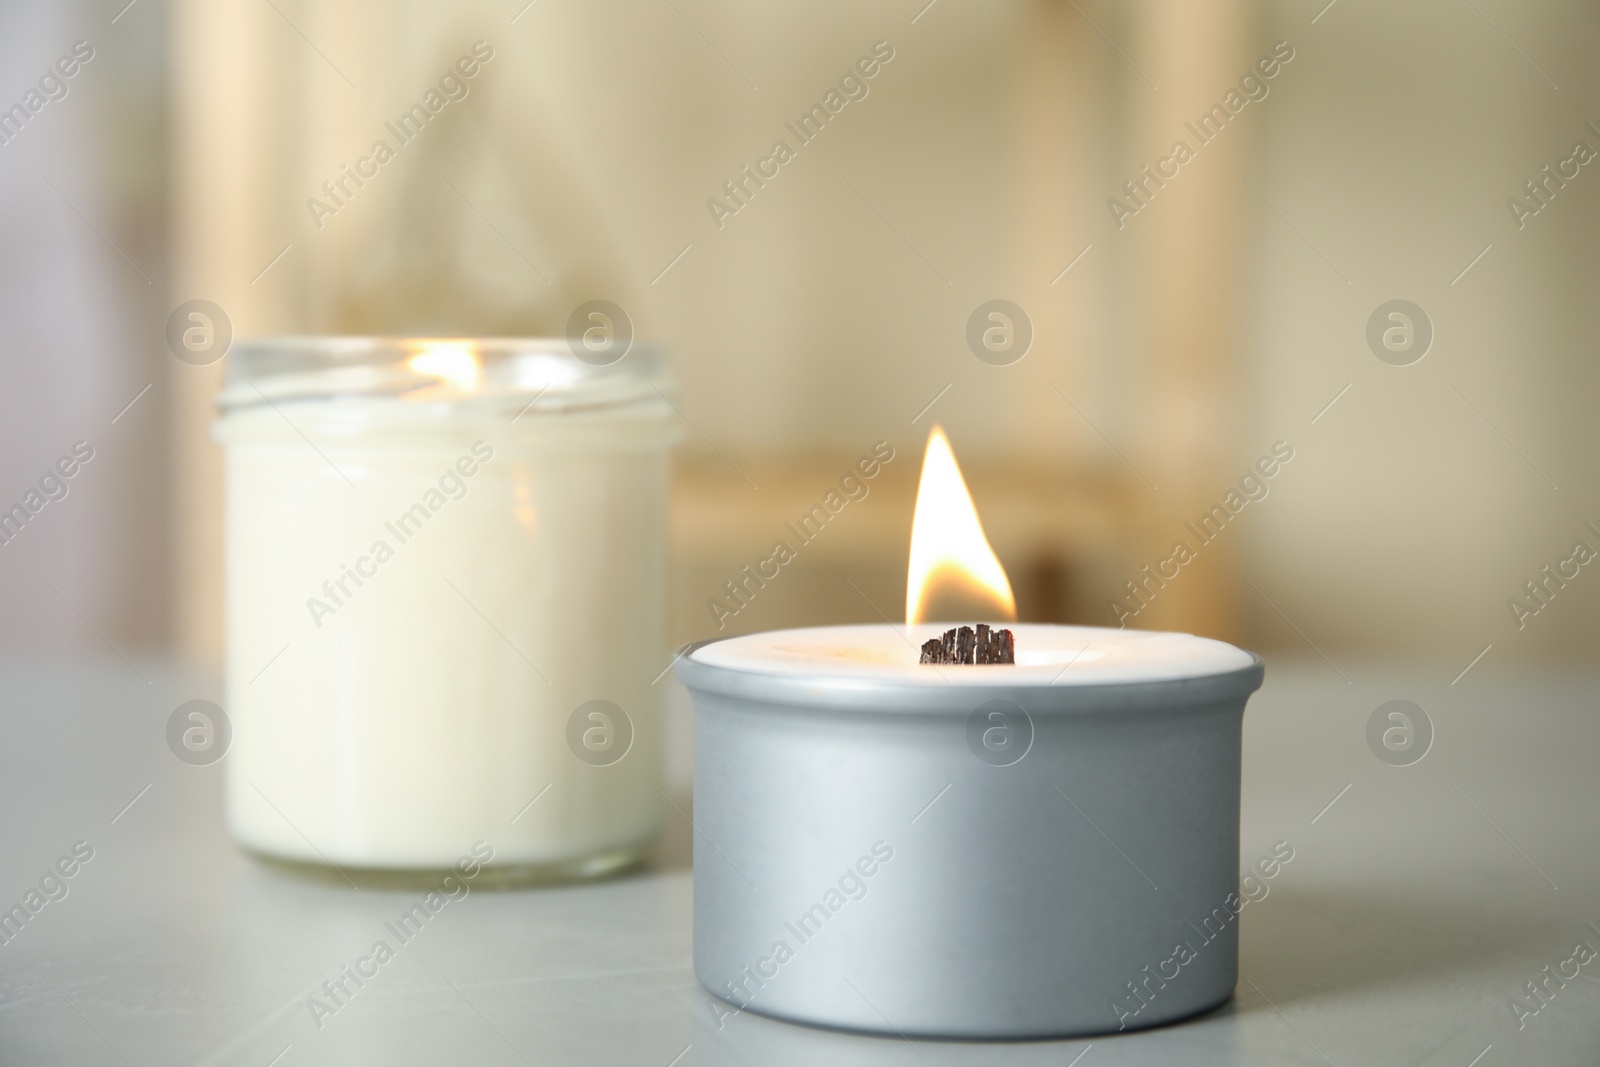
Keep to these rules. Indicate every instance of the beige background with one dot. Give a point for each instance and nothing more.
(826, 314)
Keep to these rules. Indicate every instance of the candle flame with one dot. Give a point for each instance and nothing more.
(947, 542)
(454, 363)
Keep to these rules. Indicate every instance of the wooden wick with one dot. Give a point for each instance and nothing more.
(966, 645)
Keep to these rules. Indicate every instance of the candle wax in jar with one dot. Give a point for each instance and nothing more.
(1046, 655)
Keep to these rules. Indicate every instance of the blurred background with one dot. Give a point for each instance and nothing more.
(1182, 328)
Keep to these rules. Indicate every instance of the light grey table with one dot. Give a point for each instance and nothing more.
(1419, 901)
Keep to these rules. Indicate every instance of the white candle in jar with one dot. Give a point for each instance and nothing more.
(445, 585)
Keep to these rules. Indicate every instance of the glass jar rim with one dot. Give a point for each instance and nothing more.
(553, 370)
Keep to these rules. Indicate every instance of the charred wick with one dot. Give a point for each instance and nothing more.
(964, 645)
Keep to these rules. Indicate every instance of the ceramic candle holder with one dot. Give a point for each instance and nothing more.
(967, 851)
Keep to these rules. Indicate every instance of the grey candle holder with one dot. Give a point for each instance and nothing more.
(971, 861)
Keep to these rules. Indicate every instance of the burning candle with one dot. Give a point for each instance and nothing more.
(445, 607)
(975, 850)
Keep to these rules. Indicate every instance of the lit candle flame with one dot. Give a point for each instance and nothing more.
(947, 541)
(454, 363)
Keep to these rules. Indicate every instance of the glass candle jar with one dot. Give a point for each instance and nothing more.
(445, 571)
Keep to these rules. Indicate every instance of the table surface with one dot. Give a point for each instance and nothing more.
(1419, 901)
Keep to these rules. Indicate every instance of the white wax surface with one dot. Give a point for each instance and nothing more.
(1046, 655)
(433, 706)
